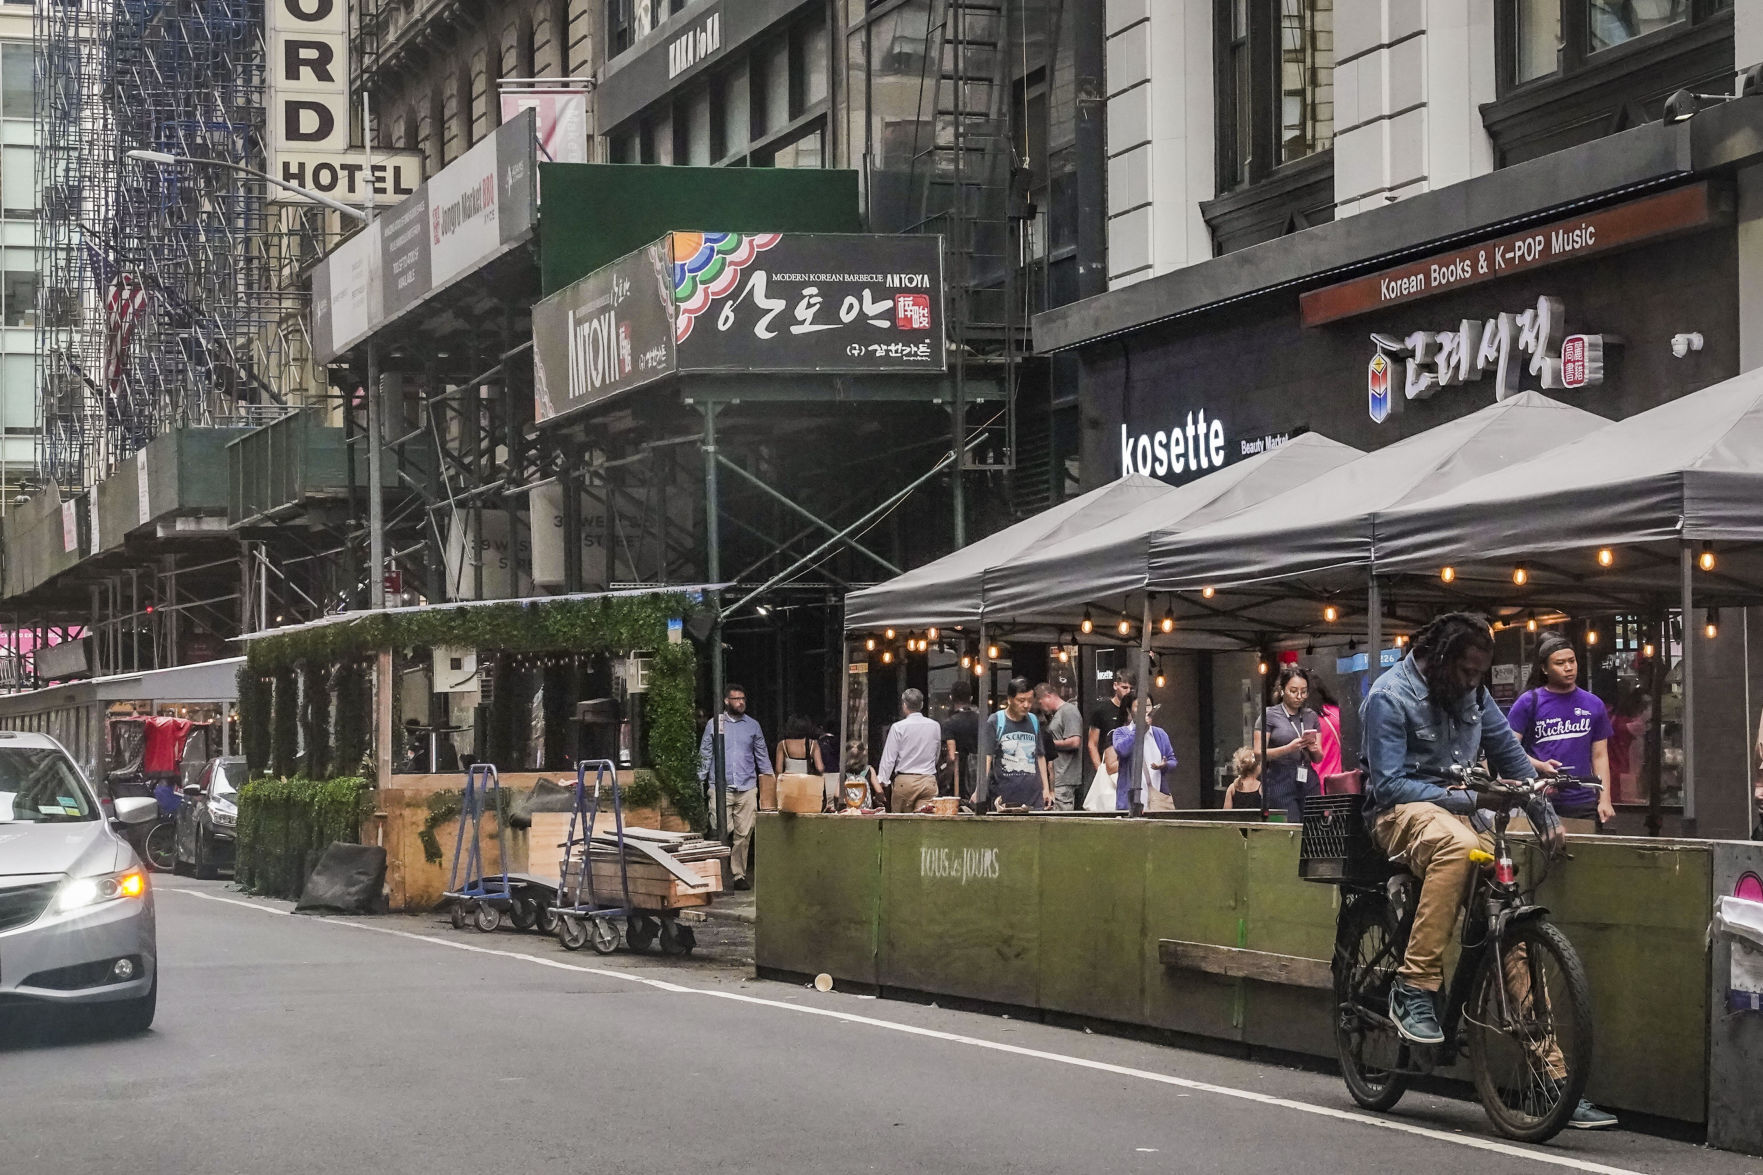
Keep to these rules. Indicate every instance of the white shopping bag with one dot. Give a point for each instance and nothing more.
(1100, 797)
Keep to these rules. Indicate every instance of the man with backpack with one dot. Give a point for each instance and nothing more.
(1017, 774)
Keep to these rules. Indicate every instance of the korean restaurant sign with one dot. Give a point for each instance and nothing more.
(1649, 218)
(1505, 347)
(717, 303)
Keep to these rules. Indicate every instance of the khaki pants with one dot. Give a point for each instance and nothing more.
(741, 807)
(1435, 847)
(909, 791)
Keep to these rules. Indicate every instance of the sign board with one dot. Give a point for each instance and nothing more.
(471, 212)
(70, 525)
(1649, 218)
(562, 115)
(67, 659)
(545, 503)
(741, 302)
(309, 115)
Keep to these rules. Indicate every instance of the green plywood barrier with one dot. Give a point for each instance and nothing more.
(1066, 914)
(1638, 911)
(818, 906)
(1092, 918)
(1196, 890)
(959, 907)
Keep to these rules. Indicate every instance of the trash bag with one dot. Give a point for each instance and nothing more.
(348, 879)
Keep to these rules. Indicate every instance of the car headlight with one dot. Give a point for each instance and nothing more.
(80, 892)
(223, 811)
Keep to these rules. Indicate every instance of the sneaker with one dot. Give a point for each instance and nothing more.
(1588, 1117)
(742, 883)
(1415, 1014)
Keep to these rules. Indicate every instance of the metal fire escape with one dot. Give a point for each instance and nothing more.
(964, 167)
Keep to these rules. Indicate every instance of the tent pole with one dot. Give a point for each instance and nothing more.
(1139, 792)
(1373, 628)
(982, 696)
(844, 711)
(1686, 563)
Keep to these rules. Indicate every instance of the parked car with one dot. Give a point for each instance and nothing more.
(208, 819)
(76, 911)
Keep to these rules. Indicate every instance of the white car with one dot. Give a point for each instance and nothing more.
(76, 910)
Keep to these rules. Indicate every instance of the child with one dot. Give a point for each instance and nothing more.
(859, 788)
(1245, 790)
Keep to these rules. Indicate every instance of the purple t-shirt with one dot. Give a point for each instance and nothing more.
(1562, 727)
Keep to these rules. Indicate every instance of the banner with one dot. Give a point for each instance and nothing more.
(605, 334)
(562, 116)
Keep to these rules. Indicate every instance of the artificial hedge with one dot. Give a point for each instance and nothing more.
(284, 824)
(609, 624)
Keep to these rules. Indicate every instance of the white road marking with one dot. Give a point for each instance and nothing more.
(1566, 1162)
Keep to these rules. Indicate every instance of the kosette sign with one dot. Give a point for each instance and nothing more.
(1506, 346)
(1193, 445)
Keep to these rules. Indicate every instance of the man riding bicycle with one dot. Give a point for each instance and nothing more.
(1423, 718)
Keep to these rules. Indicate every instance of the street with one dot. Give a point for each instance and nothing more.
(397, 1044)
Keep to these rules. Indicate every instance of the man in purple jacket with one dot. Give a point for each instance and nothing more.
(1565, 731)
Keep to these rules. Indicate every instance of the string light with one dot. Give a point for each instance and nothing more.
(1124, 627)
(1520, 575)
(1712, 628)
(1206, 593)
(931, 632)
(1159, 681)
(1606, 557)
(1401, 640)
(992, 652)
(1591, 636)
(1064, 655)
(1330, 613)
(1448, 574)
(887, 656)
(1168, 620)
(1261, 668)
(1089, 624)
(966, 660)
(869, 645)
(1530, 622)
(1706, 561)
(1647, 650)
(979, 670)
(888, 635)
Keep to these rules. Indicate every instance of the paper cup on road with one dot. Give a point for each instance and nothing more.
(823, 982)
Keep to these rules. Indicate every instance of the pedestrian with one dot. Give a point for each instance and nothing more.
(1018, 774)
(744, 760)
(1290, 747)
(1566, 730)
(1628, 740)
(859, 792)
(1245, 792)
(1153, 774)
(1108, 715)
(908, 769)
(1328, 725)
(798, 752)
(961, 740)
(1064, 737)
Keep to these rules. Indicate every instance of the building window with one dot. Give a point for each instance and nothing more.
(1570, 71)
(18, 186)
(1276, 85)
(807, 151)
(735, 110)
(621, 26)
(16, 89)
(18, 287)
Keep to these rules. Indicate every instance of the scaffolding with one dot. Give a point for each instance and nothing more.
(168, 296)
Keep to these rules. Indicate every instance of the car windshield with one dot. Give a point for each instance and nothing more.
(224, 783)
(38, 785)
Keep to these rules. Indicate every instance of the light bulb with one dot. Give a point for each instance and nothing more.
(889, 634)
(887, 656)
(1401, 640)
(992, 652)
(1447, 574)
(1331, 613)
(1123, 627)
(1208, 592)
(1606, 557)
(931, 632)
(1089, 624)
(1712, 628)
(1520, 575)
(1261, 668)
(1591, 636)
(1647, 651)
(1159, 681)
(1706, 561)
(979, 670)
(869, 645)
(1168, 621)
(966, 660)
(1530, 622)
(1064, 656)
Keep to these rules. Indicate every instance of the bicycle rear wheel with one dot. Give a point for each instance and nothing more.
(159, 847)
(1367, 952)
(1529, 1017)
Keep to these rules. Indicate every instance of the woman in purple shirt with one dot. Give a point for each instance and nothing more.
(1565, 730)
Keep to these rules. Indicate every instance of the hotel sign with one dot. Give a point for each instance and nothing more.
(1650, 218)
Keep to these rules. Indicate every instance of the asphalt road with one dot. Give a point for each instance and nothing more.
(393, 1045)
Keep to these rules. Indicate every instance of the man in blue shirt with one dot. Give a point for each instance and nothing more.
(744, 760)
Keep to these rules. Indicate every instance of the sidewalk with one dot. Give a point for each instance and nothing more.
(731, 906)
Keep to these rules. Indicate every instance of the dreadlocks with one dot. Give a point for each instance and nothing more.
(1440, 643)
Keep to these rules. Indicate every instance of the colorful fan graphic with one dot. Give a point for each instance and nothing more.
(708, 265)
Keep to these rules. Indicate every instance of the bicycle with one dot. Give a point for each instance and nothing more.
(1518, 1002)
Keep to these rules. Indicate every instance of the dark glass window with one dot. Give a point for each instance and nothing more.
(1276, 85)
(1546, 38)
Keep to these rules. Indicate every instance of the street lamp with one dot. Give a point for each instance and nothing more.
(376, 523)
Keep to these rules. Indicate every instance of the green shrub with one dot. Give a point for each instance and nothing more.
(284, 824)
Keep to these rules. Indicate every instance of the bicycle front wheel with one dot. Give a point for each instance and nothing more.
(159, 848)
(1529, 1018)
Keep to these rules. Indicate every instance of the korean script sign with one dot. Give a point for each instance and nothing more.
(605, 334)
(808, 302)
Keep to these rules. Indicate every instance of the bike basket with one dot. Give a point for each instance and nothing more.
(1337, 845)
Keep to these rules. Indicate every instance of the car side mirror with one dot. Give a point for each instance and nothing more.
(192, 789)
(136, 809)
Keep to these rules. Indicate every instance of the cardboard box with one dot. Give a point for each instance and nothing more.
(800, 793)
(768, 793)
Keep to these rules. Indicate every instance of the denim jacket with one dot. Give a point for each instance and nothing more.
(1409, 742)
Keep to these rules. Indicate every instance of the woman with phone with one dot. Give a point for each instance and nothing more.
(1290, 745)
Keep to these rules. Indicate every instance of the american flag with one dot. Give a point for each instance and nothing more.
(123, 307)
